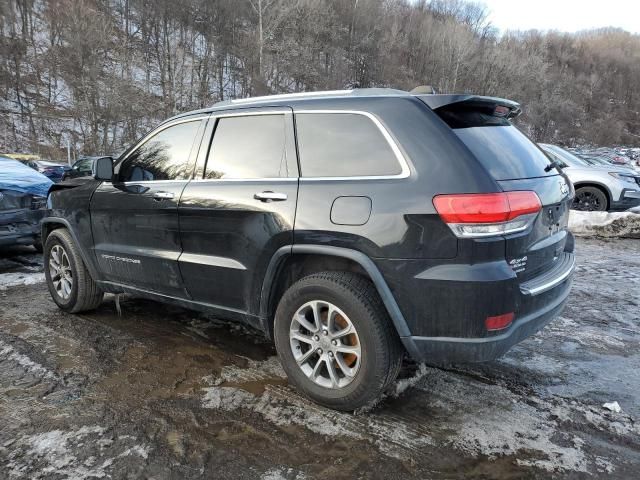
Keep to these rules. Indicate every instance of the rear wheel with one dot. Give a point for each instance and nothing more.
(590, 199)
(335, 340)
(69, 282)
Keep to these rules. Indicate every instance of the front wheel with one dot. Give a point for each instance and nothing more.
(335, 340)
(590, 199)
(69, 282)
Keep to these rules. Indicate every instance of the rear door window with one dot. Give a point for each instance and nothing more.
(248, 147)
(343, 145)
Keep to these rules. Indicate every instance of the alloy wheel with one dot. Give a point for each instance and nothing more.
(60, 272)
(325, 344)
(586, 201)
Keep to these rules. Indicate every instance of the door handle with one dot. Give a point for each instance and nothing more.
(163, 195)
(270, 196)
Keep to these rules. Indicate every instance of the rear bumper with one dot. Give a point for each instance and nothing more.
(20, 227)
(446, 320)
(463, 350)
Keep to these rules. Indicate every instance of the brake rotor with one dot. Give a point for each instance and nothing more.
(351, 340)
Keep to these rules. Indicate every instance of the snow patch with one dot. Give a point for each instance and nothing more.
(14, 279)
(584, 335)
(51, 454)
(8, 353)
(613, 407)
(255, 371)
(284, 407)
(605, 224)
(226, 398)
(283, 474)
(504, 423)
(402, 385)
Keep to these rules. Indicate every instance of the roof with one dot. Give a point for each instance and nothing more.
(434, 101)
(298, 97)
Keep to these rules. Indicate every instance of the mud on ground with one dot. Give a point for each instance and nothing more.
(162, 392)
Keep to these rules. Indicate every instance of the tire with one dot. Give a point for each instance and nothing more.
(83, 293)
(355, 302)
(590, 199)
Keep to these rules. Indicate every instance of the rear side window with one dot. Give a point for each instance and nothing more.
(499, 146)
(164, 156)
(343, 145)
(248, 147)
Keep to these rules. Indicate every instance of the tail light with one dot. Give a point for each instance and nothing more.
(471, 215)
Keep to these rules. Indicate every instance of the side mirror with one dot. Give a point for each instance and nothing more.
(103, 169)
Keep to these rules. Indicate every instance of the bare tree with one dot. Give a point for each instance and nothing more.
(102, 72)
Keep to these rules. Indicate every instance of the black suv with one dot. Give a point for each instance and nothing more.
(351, 227)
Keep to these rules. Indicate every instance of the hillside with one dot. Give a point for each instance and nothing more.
(98, 73)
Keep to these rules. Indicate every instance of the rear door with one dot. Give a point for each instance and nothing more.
(516, 163)
(134, 219)
(240, 208)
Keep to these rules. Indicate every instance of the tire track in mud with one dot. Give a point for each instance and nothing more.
(548, 434)
(235, 388)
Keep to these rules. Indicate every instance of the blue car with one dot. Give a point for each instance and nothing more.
(23, 201)
(53, 171)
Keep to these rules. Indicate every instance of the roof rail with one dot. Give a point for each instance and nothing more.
(284, 96)
(374, 91)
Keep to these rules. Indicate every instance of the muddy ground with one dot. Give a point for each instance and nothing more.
(161, 392)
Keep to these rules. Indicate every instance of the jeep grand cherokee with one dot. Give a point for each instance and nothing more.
(352, 227)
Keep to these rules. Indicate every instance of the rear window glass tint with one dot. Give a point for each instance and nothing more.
(505, 152)
(343, 145)
(251, 146)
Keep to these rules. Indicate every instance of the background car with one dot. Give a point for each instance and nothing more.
(598, 187)
(594, 160)
(53, 171)
(609, 155)
(83, 167)
(23, 200)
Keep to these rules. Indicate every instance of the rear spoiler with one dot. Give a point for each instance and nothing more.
(501, 106)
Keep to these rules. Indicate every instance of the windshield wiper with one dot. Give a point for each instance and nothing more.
(552, 165)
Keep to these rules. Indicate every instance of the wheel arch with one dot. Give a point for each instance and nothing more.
(50, 224)
(307, 259)
(600, 186)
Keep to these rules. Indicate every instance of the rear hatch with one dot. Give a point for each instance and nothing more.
(517, 164)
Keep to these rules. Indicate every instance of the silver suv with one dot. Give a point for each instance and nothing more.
(601, 188)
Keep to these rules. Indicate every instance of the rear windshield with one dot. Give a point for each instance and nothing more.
(501, 148)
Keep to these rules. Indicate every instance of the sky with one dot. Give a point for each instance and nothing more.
(564, 15)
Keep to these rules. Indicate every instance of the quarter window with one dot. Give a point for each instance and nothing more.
(165, 156)
(343, 145)
(248, 147)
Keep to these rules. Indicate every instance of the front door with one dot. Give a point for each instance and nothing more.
(240, 209)
(134, 219)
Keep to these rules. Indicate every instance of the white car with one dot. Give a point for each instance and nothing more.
(598, 188)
